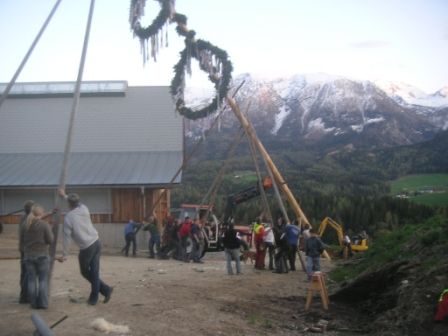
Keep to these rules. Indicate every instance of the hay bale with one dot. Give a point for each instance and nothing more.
(101, 324)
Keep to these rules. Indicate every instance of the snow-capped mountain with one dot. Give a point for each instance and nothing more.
(330, 110)
(407, 94)
(431, 106)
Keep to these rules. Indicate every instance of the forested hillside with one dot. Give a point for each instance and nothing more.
(349, 185)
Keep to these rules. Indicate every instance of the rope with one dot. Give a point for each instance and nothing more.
(28, 54)
(68, 142)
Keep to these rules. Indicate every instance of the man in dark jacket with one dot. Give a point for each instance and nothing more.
(281, 247)
(232, 248)
(313, 249)
(23, 277)
(130, 232)
(154, 239)
(195, 232)
(168, 244)
(292, 235)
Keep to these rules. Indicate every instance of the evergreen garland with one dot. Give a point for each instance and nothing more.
(212, 59)
(221, 81)
(137, 11)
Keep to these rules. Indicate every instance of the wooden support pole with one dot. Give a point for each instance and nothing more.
(278, 177)
(68, 142)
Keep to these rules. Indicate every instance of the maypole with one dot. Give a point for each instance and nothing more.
(68, 142)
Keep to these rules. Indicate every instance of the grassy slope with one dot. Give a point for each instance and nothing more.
(399, 281)
(426, 243)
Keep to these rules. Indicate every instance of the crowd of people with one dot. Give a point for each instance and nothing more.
(185, 240)
(282, 242)
(188, 240)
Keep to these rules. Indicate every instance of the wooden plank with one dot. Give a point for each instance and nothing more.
(11, 219)
(126, 205)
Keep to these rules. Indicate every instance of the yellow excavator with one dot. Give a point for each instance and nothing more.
(357, 244)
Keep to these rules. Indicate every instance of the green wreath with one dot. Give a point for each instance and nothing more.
(220, 76)
(136, 12)
(219, 71)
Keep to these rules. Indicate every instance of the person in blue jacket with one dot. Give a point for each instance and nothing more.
(130, 231)
(292, 235)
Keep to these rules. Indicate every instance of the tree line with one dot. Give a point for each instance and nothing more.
(352, 187)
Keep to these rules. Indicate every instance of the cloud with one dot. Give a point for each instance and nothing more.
(370, 44)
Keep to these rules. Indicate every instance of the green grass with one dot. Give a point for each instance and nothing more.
(417, 187)
(256, 319)
(424, 240)
(438, 199)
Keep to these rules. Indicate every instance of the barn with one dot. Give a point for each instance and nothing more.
(127, 146)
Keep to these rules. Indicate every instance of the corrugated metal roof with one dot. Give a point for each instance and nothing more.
(92, 169)
(143, 119)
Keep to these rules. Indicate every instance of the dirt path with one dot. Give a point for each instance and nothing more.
(167, 297)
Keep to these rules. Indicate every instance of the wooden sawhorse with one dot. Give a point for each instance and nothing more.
(317, 285)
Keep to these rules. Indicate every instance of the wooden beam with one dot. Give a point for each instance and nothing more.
(278, 177)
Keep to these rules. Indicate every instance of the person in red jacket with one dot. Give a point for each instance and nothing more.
(442, 307)
(185, 240)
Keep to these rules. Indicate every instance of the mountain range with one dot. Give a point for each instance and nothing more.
(331, 112)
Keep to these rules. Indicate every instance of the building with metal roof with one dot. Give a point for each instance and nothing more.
(127, 146)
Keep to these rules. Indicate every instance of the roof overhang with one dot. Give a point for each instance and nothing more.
(106, 169)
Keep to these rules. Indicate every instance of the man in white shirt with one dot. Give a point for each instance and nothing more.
(269, 241)
(78, 226)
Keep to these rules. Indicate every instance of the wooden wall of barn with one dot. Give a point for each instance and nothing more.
(127, 203)
(135, 204)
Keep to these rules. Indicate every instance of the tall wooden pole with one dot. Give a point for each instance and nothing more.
(278, 177)
(68, 142)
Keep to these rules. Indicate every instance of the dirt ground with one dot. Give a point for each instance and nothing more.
(168, 297)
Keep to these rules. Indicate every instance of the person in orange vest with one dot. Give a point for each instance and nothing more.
(259, 245)
(442, 307)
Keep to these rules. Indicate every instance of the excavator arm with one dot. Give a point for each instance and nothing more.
(243, 196)
(359, 245)
(337, 227)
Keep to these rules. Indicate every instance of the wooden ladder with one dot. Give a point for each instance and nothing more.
(317, 285)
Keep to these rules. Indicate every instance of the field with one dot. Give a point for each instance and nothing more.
(429, 189)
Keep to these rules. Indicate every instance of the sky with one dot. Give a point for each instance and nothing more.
(397, 40)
